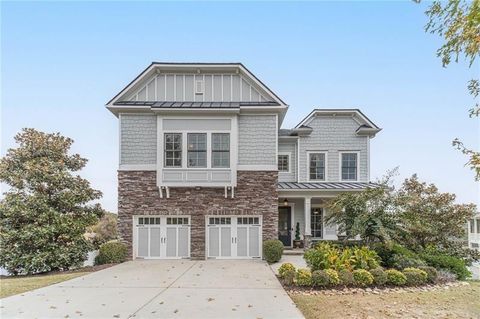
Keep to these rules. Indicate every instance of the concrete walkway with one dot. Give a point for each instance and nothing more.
(161, 289)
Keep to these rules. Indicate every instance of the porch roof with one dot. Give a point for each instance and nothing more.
(325, 185)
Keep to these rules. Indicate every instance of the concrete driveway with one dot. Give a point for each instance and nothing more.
(161, 289)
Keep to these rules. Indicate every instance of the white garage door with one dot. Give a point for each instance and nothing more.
(161, 237)
(234, 237)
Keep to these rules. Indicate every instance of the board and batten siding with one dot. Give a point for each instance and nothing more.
(217, 88)
(257, 140)
(334, 135)
(291, 149)
(138, 139)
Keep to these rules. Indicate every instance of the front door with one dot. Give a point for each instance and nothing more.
(285, 225)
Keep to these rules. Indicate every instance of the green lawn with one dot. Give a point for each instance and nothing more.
(457, 302)
(16, 285)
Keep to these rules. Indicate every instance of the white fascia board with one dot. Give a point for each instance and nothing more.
(137, 167)
(117, 109)
(355, 112)
(192, 111)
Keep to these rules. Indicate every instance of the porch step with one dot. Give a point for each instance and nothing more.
(293, 252)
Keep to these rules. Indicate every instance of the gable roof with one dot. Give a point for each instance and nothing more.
(354, 112)
(151, 69)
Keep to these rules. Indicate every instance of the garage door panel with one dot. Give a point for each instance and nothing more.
(213, 241)
(183, 241)
(242, 244)
(143, 242)
(155, 235)
(254, 241)
(226, 244)
(171, 241)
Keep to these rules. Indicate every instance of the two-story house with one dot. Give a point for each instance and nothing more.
(206, 172)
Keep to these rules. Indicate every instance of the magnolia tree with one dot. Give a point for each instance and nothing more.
(45, 212)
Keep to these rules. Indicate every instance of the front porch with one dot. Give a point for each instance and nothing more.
(306, 205)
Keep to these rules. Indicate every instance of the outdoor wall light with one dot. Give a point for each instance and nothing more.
(285, 202)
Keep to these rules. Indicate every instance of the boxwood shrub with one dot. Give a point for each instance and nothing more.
(320, 278)
(272, 250)
(346, 277)
(432, 273)
(415, 276)
(379, 276)
(362, 277)
(395, 277)
(111, 252)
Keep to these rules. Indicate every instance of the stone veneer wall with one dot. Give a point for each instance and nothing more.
(255, 194)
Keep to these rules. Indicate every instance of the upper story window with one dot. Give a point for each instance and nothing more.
(349, 162)
(316, 166)
(221, 150)
(472, 226)
(197, 150)
(173, 150)
(283, 163)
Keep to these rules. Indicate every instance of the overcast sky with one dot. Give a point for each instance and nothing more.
(61, 62)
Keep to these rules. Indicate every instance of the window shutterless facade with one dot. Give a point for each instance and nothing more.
(349, 169)
(197, 149)
(173, 149)
(283, 163)
(220, 150)
(316, 166)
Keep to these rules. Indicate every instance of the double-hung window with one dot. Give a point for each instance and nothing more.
(220, 150)
(316, 166)
(283, 163)
(349, 166)
(197, 149)
(173, 150)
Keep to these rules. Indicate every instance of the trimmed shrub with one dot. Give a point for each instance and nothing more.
(452, 264)
(320, 278)
(379, 276)
(432, 273)
(415, 276)
(284, 268)
(362, 277)
(272, 250)
(333, 277)
(346, 277)
(395, 277)
(289, 277)
(303, 277)
(111, 252)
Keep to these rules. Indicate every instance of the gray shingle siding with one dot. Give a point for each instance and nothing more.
(290, 148)
(257, 140)
(138, 139)
(335, 135)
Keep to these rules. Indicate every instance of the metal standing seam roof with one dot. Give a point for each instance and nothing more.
(168, 104)
(324, 185)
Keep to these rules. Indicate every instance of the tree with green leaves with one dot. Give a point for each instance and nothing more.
(45, 212)
(369, 214)
(458, 22)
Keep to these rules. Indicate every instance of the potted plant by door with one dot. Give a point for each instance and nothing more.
(297, 243)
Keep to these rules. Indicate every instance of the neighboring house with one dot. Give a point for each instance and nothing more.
(474, 232)
(205, 171)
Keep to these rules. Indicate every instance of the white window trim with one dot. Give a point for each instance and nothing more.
(209, 149)
(326, 167)
(289, 154)
(340, 153)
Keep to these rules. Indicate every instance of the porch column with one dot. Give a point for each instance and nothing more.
(308, 229)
